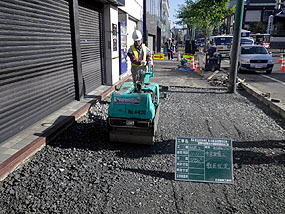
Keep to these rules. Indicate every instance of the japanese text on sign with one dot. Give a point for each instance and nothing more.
(204, 160)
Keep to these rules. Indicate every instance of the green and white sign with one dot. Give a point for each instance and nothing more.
(204, 160)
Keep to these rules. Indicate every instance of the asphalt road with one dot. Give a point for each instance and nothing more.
(273, 83)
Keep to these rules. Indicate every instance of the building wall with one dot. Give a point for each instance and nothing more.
(257, 11)
(133, 10)
(165, 25)
(153, 22)
(111, 55)
(52, 74)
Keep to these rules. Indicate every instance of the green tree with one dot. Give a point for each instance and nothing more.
(204, 14)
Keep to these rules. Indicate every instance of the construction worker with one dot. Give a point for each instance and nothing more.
(170, 47)
(140, 57)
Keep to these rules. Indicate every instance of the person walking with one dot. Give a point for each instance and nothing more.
(170, 49)
(140, 57)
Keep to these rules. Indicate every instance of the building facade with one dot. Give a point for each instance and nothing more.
(165, 23)
(157, 25)
(152, 26)
(277, 39)
(256, 15)
(130, 19)
(57, 51)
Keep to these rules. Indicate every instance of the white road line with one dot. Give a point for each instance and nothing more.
(273, 79)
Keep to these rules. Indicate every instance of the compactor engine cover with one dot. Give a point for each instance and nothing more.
(133, 116)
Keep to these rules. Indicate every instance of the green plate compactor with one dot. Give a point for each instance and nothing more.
(133, 112)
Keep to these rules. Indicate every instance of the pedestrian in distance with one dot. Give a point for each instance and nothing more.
(140, 56)
(174, 46)
(170, 47)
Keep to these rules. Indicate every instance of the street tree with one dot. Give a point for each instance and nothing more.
(204, 14)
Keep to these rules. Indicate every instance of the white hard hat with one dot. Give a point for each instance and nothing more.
(137, 35)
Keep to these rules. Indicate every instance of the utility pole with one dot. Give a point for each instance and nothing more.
(236, 46)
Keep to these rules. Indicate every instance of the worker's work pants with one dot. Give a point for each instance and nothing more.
(170, 55)
(138, 74)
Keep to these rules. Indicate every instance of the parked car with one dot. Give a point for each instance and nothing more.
(200, 42)
(244, 41)
(255, 58)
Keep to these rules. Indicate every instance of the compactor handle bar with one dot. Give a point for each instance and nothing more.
(148, 74)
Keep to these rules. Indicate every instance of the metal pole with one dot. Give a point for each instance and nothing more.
(236, 46)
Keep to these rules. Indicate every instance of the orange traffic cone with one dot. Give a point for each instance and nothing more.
(281, 58)
(192, 65)
(283, 66)
(197, 69)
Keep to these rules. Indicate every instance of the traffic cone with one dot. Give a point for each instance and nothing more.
(192, 65)
(179, 57)
(283, 66)
(197, 69)
(281, 58)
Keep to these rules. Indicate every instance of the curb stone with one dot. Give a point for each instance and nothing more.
(278, 108)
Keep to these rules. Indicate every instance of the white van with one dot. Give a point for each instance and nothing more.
(222, 43)
(246, 41)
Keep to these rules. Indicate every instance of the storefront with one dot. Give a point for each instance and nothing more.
(52, 53)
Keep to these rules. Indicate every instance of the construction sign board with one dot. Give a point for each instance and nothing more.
(158, 57)
(204, 160)
(188, 57)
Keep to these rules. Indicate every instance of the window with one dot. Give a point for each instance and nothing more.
(253, 50)
(223, 40)
(253, 16)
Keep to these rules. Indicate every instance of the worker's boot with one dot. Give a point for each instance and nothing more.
(138, 88)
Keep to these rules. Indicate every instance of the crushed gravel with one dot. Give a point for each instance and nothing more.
(81, 172)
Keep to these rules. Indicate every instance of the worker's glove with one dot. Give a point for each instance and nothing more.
(143, 63)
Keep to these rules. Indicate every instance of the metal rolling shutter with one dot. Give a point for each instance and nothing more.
(90, 27)
(36, 63)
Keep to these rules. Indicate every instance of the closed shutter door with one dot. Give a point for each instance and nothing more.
(90, 27)
(36, 64)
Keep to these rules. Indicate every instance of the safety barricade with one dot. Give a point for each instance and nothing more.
(188, 57)
(158, 56)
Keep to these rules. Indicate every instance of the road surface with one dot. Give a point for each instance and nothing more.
(273, 83)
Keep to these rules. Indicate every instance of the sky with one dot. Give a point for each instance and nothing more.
(174, 6)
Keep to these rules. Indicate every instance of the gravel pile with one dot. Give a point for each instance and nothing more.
(81, 172)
